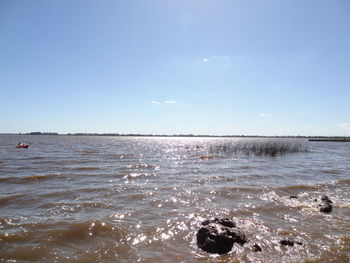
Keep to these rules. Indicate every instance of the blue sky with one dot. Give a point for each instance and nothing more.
(273, 67)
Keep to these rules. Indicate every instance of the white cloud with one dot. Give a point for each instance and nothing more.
(344, 125)
(215, 63)
(155, 102)
(265, 114)
(170, 101)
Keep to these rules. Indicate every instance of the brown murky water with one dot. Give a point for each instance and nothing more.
(128, 199)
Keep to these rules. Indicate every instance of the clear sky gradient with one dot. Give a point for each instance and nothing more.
(272, 67)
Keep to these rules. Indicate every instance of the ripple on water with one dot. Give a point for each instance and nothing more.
(92, 237)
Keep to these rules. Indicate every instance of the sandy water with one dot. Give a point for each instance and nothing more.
(138, 199)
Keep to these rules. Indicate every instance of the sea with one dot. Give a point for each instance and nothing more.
(142, 199)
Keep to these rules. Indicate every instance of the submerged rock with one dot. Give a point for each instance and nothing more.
(222, 221)
(218, 236)
(293, 197)
(326, 204)
(289, 243)
(256, 248)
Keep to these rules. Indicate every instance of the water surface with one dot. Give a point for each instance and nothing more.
(138, 199)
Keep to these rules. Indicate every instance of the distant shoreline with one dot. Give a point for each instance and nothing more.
(330, 139)
(310, 138)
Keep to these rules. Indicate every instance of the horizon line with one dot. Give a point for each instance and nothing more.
(167, 135)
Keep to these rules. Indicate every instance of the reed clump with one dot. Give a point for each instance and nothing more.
(259, 147)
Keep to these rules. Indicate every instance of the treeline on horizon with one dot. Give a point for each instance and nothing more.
(311, 138)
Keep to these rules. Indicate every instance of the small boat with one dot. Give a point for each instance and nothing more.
(22, 145)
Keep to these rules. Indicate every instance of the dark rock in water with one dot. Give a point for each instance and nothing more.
(293, 197)
(222, 221)
(218, 236)
(289, 243)
(325, 198)
(325, 208)
(256, 248)
(326, 204)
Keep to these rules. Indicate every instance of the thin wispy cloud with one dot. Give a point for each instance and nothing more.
(211, 64)
(214, 63)
(264, 114)
(164, 102)
(344, 125)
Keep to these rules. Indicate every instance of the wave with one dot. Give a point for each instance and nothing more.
(242, 189)
(88, 151)
(23, 168)
(35, 158)
(77, 161)
(39, 177)
(299, 187)
(121, 156)
(142, 166)
(29, 178)
(7, 199)
(86, 168)
(331, 171)
(61, 193)
(137, 175)
(18, 237)
(87, 241)
(73, 207)
(61, 231)
(91, 189)
(208, 157)
(342, 183)
(70, 232)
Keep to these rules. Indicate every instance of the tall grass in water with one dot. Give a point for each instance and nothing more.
(259, 147)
